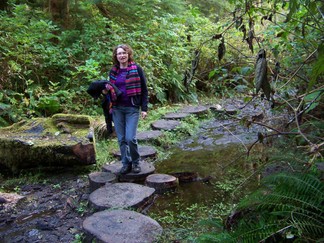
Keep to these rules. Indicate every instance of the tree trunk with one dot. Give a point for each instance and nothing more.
(59, 10)
(104, 11)
(3, 4)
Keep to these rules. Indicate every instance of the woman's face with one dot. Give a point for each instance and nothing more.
(122, 56)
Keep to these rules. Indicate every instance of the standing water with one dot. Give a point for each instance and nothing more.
(218, 155)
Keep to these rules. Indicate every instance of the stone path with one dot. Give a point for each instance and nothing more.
(121, 195)
(117, 200)
(118, 226)
(145, 152)
(146, 167)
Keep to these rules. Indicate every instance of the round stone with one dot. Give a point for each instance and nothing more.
(144, 151)
(100, 178)
(164, 124)
(161, 182)
(194, 109)
(121, 226)
(175, 115)
(146, 169)
(121, 195)
(148, 135)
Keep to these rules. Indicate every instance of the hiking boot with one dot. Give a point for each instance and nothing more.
(136, 169)
(125, 169)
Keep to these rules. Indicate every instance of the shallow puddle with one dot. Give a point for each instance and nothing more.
(221, 170)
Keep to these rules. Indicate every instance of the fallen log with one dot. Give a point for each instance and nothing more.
(61, 140)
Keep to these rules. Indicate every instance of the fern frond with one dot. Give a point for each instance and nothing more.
(284, 200)
(304, 184)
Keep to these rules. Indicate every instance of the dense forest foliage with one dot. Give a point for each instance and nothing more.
(51, 50)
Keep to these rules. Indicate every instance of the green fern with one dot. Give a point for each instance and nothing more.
(286, 206)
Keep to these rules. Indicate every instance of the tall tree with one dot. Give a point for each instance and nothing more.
(3, 4)
(59, 10)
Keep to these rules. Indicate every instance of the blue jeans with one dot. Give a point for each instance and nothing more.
(126, 122)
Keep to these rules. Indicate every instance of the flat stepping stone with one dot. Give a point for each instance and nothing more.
(118, 226)
(164, 124)
(144, 151)
(217, 108)
(176, 115)
(148, 135)
(186, 176)
(230, 110)
(196, 110)
(121, 195)
(99, 179)
(146, 170)
(162, 182)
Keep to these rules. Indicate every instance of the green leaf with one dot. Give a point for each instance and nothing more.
(312, 106)
(4, 106)
(293, 6)
(315, 95)
(211, 74)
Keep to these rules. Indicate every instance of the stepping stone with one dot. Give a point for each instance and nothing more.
(165, 124)
(99, 179)
(175, 116)
(147, 169)
(217, 108)
(162, 182)
(230, 110)
(121, 195)
(196, 110)
(119, 226)
(148, 135)
(186, 176)
(144, 151)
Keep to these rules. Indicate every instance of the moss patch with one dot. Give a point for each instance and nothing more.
(63, 139)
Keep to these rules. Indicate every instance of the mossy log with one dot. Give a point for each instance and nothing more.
(62, 140)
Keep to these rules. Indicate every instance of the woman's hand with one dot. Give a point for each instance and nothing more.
(144, 114)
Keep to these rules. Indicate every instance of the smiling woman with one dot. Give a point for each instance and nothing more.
(122, 52)
(129, 78)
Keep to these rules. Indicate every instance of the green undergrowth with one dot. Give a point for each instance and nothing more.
(189, 126)
(185, 224)
(106, 146)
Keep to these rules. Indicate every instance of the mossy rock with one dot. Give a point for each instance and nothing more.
(61, 140)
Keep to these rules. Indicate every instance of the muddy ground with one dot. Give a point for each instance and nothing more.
(52, 211)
